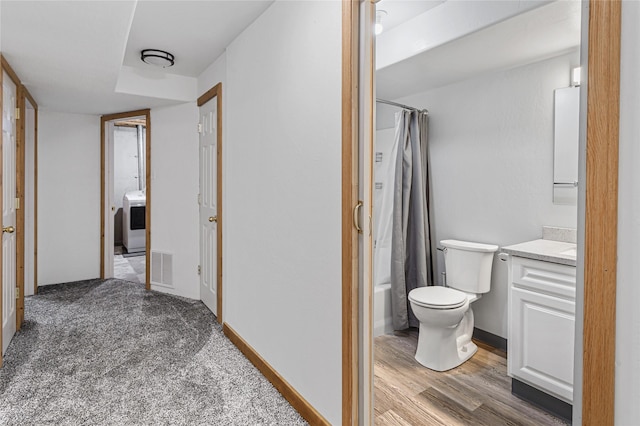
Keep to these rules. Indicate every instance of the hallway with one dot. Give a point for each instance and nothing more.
(109, 352)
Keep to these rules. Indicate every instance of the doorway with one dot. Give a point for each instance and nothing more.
(19, 200)
(125, 234)
(595, 398)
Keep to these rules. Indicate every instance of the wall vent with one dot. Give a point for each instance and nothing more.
(162, 269)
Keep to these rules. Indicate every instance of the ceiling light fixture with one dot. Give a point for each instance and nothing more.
(378, 28)
(156, 57)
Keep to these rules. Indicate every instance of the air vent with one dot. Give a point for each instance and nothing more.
(162, 269)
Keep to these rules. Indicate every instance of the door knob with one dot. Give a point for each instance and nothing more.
(213, 219)
(9, 229)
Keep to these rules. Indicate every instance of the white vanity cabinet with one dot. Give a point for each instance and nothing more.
(541, 325)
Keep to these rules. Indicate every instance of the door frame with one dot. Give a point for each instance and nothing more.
(597, 258)
(24, 95)
(216, 92)
(146, 113)
(21, 93)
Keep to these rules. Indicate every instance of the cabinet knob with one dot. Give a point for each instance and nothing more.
(503, 256)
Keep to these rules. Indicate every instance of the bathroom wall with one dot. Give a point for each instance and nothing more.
(68, 197)
(125, 168)
(491, 147)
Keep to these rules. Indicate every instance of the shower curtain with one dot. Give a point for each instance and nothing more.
(412, 249)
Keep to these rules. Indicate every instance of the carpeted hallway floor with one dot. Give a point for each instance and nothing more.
(110, 353)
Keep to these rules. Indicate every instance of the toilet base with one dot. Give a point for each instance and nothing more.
(444, 348)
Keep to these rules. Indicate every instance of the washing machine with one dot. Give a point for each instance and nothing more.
(134, 220)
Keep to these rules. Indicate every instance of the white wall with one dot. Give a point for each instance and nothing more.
(174, 194)
(68, 197)
(627, 391)
(283, 195)
(214, 74)
(125, 171)
(491, 145)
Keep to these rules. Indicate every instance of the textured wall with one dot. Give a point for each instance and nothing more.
(174, 194)
(283, 195)
(68, 197)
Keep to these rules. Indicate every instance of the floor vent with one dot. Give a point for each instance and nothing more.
(162, 269)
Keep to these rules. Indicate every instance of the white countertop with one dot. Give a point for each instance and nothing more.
(545, 250)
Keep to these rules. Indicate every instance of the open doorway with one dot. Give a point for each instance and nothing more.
(597, 218)
(484, 158)
(125, 197)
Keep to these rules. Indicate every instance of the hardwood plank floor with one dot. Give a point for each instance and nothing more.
(476, 393)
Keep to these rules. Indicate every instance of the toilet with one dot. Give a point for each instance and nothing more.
(445, 314)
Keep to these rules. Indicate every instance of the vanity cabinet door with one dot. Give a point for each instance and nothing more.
(541, 341)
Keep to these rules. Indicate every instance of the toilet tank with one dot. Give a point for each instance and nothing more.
(468, 265)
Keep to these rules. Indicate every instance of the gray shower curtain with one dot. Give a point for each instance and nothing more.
(411, 246)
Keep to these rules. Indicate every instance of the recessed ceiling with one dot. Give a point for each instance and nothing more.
(69, 54)
(196, 32)
(532, 36)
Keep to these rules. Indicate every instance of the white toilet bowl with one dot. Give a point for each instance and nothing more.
(446, 326)
(445, 315)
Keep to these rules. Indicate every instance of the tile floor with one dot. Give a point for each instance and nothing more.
(128, 268)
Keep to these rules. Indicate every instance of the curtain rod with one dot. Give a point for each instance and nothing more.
(383, 101)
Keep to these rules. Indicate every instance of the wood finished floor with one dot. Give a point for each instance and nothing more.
(476, 393)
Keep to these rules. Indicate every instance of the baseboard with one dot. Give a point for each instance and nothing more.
(296, 400)
(541, 399)
(490, 339)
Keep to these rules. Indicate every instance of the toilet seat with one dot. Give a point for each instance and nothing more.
(438, 297)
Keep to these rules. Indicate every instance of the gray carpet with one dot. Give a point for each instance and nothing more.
(110, 353)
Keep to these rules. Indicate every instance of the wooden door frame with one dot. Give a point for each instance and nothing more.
(350, 118)
(21, 93)
(146, 113)
(23, 96)
(216, 92)
(601, 212)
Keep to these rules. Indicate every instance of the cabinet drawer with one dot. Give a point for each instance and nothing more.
(544, 277)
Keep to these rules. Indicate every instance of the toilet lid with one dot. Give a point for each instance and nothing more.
(437, 297)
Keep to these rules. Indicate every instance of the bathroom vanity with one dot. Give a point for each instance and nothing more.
(542, 290)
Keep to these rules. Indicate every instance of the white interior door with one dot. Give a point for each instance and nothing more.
(208, 209)
(8, 210)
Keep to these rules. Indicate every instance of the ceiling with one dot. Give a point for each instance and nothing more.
(71, 54)
(541, 33)
(400, 11)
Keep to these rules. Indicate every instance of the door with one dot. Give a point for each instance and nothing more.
(9, 92)
(542, 352)
(208, 205)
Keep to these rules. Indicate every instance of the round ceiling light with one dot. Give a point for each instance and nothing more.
(156, 57)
